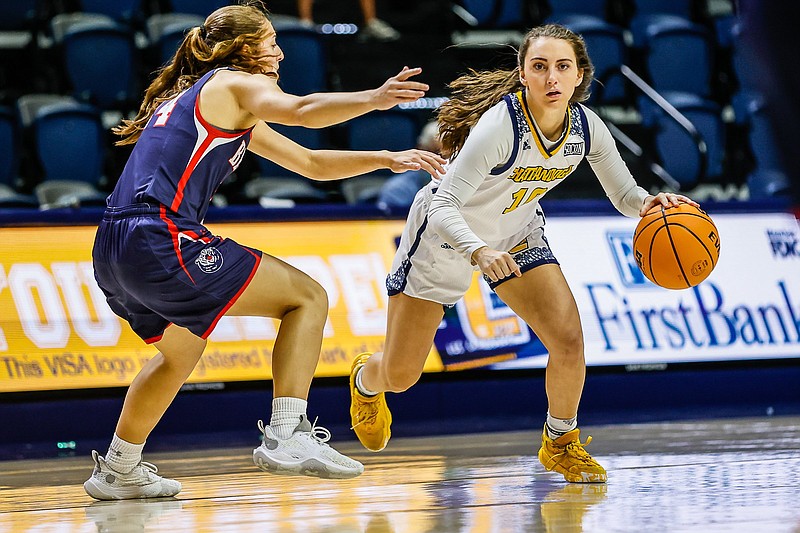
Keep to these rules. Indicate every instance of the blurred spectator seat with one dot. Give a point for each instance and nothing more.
(198, 7)
(297, 189)
(677, 149)
(9, 197)
(494, 13)
(68, 139)
(566, 8)
(18, 20)
(128, 12)
(678, 54)
(385, 130)
(99, 59)
(680, 8)
(166, 31)
(768, 178)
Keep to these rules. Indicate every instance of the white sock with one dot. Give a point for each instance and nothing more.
(360, 384)
(557, 427)
(122, 455)
(286, 413)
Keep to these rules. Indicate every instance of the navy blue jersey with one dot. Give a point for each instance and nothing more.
(180, 159)
(153, 258)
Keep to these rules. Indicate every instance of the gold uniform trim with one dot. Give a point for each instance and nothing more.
(535, 133)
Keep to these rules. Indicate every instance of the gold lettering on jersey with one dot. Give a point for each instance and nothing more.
(538, 173)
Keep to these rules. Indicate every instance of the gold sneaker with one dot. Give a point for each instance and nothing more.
(566, 456)
(369, 415)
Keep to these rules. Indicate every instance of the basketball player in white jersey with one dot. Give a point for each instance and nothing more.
(511, 136)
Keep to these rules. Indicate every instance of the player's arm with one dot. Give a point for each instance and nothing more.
(324, 165)
(261, 96)
(488, 144)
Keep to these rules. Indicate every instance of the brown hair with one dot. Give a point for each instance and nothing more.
(476, 92)
(230, 36)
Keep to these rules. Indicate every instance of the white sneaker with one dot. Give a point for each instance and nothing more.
(305, 453)
(141, 482)
(379, 30)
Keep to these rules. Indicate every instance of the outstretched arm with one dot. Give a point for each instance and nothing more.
(326, 165)
(261, 97)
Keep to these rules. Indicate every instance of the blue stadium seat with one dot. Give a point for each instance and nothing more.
(566, 8)
(496, 13)
(64, 131)
(68, 139)
(679, 54)
(166, 31)
(198, 7)
(768, 178)
(677, 150)
(125, 11)
(9, 134)
(385, 130)
(99, 58)
(606, 45)
(680, 8)
(21, 62)
(18, 15)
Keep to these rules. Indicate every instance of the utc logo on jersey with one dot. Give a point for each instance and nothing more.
(209, 260)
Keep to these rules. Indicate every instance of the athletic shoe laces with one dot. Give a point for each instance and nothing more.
(367, 413)
(319, 433)
(575, 449)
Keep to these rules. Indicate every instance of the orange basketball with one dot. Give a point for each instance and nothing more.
(676, 247)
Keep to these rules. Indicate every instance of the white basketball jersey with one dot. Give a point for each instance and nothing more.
(491, 190)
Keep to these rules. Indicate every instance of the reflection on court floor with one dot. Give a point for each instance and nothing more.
(724, 475)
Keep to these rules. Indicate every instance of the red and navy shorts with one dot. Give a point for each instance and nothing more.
(157, 268)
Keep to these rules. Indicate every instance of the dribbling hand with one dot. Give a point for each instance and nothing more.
(667, 199)
(398, 89)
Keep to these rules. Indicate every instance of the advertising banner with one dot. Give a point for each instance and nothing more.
(748, 308)
(57, 332)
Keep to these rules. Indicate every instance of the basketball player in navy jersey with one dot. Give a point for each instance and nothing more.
(172, 279)
(512, 136)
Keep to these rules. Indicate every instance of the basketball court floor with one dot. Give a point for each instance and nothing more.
(716, 475)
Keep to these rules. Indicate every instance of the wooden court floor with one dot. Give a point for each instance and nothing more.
(721, 475)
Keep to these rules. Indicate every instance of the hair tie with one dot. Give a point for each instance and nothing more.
(203, 33)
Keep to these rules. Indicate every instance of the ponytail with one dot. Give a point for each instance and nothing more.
(472, 95)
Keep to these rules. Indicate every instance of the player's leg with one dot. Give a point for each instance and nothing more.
(278, 290)
(411, 326)
(544, 300)
(156, 385)
(291, 444)
(121, 474)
